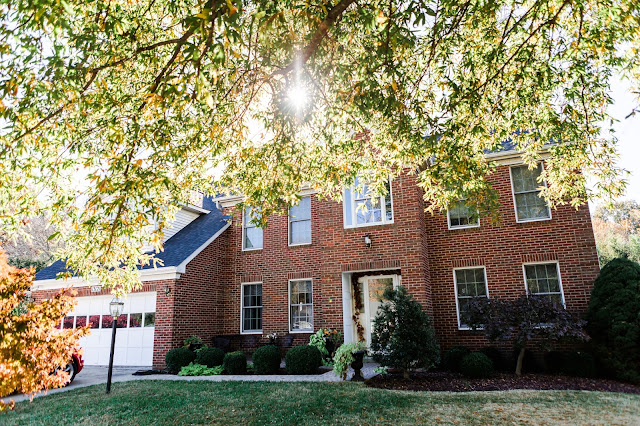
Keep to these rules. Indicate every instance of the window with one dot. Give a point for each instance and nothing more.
(252, 308)
(301, 305)
(67, 323)
(122, 320)
(544, 279)
(81, 321)
(94, 321)
(251, 234)
(469, 283)
(150, 319)
(107, 321)
(300, 222)
(135, 320)
(460, 215)
(362, 210)
(526, 193)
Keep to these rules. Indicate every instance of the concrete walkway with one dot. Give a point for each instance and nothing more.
(94, 375)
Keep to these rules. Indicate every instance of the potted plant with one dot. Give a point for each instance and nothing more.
(349, 354)
(193, 343)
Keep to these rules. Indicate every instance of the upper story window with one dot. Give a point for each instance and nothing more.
(251, 234)
(362, 210)
(470, 283)
(300, 222)
(526, 193)
(543, 279)
(460, 215)
(301, 305)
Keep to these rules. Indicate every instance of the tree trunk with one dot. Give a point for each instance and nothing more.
(405, 373)
(519, 363)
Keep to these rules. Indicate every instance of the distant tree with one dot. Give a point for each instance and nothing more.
(31, 345)
(402, 335)
(523, 320)
(617, 231)
(614, 319)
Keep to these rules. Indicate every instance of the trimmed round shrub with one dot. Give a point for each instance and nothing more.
(211, 357)
(452, 358)
(613, 319)
(235, 363)
(178, 358)
(496, 357)
(303, 359)
(555, 361)
(476, 365)
(580, 364)
(266, 360)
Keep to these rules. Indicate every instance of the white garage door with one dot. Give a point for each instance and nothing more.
(134, 337)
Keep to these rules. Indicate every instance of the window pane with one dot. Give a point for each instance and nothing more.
(543, 280)
(348, 207)
(252, 310)
(135, 320)
(149, 319)
(121, 322)
(301, 317)
(301, 232)
(470, 283)
(252, 238)
(81, 321)
(94, 321)
(302, 211)
(107, 321)
(525, 179)
(461, 215)
(67, 323)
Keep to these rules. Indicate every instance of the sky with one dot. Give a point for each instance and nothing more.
(628, 134)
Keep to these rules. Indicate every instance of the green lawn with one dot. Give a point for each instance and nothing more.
(176, 402)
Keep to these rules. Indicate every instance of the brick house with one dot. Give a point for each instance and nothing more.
(325, 264)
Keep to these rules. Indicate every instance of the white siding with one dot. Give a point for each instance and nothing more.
(183, 218)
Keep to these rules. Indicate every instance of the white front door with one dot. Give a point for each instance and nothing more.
(372, 289)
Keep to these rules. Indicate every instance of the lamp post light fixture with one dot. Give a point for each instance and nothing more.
(116, 306)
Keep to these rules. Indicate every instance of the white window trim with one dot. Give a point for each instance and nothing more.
(354, 214)
(515, 206)
(242, 308)
(526, 287)
(307, 331)
(455, 290)
(244, 212)
(450, 227)
(289, 227)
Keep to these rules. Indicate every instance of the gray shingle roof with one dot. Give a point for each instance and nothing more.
(177, 248)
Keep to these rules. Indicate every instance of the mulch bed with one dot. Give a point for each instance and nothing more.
(451, 382)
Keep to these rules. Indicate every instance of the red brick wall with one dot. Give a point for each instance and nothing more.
(567, 238)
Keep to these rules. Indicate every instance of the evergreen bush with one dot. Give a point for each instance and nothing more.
(613, 319)
(452, 357)
(177, 358)
(266, 360)
(235, 363)
(211, 357)
(304, 359)
(402, 334)
(476, 365)
(496, 357)
(580, 364)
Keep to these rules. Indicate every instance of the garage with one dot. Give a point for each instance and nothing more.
(136, 328)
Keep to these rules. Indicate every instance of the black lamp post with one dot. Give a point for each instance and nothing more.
(116, 306)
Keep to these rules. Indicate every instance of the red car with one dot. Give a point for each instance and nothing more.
(74, 366)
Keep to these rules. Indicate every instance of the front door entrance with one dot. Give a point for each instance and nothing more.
(372, 288)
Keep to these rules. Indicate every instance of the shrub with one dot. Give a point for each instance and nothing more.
(613, 319)
(452, 358)
(211, 357)
(303, 359)
(178, 358)
(555, 361)
(476, 365)
(580, 364)
(235, 363)
(496, 357)
(344, 357)
(266, 360)
(402, 335)
(200, 370)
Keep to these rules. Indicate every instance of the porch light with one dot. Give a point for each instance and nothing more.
(367, 240)
(116, 307)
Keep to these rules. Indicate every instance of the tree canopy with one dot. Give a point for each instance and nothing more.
(113, 111)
